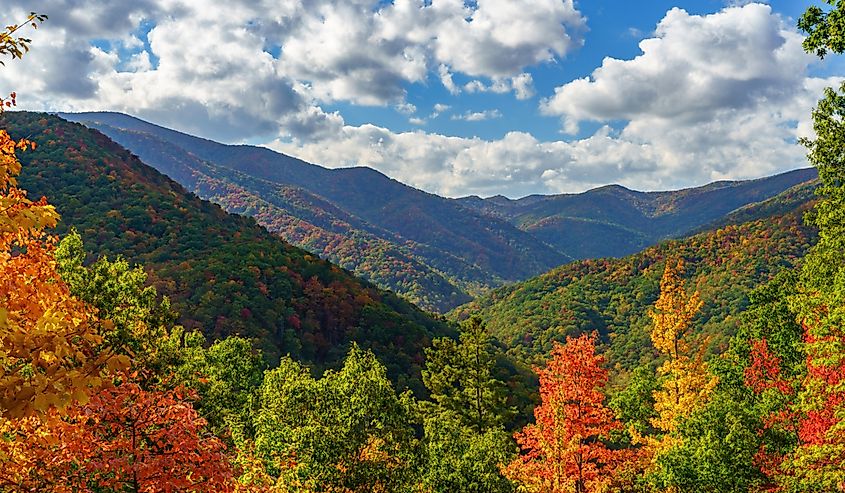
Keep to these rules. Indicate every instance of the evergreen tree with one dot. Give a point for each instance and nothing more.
(459, 377)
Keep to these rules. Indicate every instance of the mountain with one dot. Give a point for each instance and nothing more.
(224, 273)
(613, 221)
(434, 251)
(612, 296)
(428, 248)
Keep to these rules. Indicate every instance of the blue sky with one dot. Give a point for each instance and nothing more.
(454, 97)
(615, 30)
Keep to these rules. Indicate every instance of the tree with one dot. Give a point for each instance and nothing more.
(137, 320)
(459, 458)
(50, 353)
(686, 383)
(348, 431)
(125, 439)
(634, 403)
(565, 450)
(813, 408)
(227, 376)
(465, 441)
(824, 28)
(13, 45)
(459, 377)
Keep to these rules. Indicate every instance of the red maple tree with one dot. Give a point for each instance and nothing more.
(564, 450)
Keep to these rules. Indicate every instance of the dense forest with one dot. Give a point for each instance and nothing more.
(612, 296)
(433, 251)
(709, 364)
(222, 272)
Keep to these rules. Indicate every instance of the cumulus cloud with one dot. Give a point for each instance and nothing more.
(516, 165)
(498, 38)
(722, 96)
(710, 97)
(695, 67)
(258, 65)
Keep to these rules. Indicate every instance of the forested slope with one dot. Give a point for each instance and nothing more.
(223, 272)
(613, 296)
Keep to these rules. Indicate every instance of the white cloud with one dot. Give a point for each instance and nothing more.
(417, 121)
(406, 108)
(478, 116)
(711, 97)
(522, 85)
(447, 81)
(499, 38)
(695, 67)
(724, 96)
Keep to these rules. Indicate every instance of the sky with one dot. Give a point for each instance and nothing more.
(455, 97)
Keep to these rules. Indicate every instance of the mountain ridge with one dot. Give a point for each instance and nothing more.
(435, 251)
(223, 272)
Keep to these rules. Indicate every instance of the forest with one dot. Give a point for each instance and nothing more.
(112, 381)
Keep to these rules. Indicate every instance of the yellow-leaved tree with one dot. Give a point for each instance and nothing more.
(50, 352)
(687, 384)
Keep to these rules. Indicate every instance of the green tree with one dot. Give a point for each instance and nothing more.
(136, 319)
(465, 440)
(459, 458)
(825, 28)
(227, 375)
(459, 376)
(634, 403)
(717, 449)
(348, 431)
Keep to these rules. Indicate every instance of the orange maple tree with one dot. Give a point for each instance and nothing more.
(564, 450)
(125, 439)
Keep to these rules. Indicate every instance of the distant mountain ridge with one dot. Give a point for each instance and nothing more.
(435, 251)
(623, 221)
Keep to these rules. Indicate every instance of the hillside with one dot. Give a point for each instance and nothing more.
(430, 249)
(224, 273)
(435, 252)
(612, 296)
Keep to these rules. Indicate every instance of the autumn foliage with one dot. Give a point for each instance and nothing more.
(50, 352)
(564, 450)
(124, 439)
(687, 382)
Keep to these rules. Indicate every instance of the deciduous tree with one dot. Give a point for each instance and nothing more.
(348, 431)
(687, 382)
(125, 439)
(564, 451)
(49, 345)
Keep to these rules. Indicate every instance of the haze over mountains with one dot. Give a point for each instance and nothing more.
(437, 252)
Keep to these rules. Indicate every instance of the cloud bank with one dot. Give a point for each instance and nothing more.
(711, 97)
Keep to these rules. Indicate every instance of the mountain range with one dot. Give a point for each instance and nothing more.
(724, 263)
(436, 252)
(226, 274)
(223, 273)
